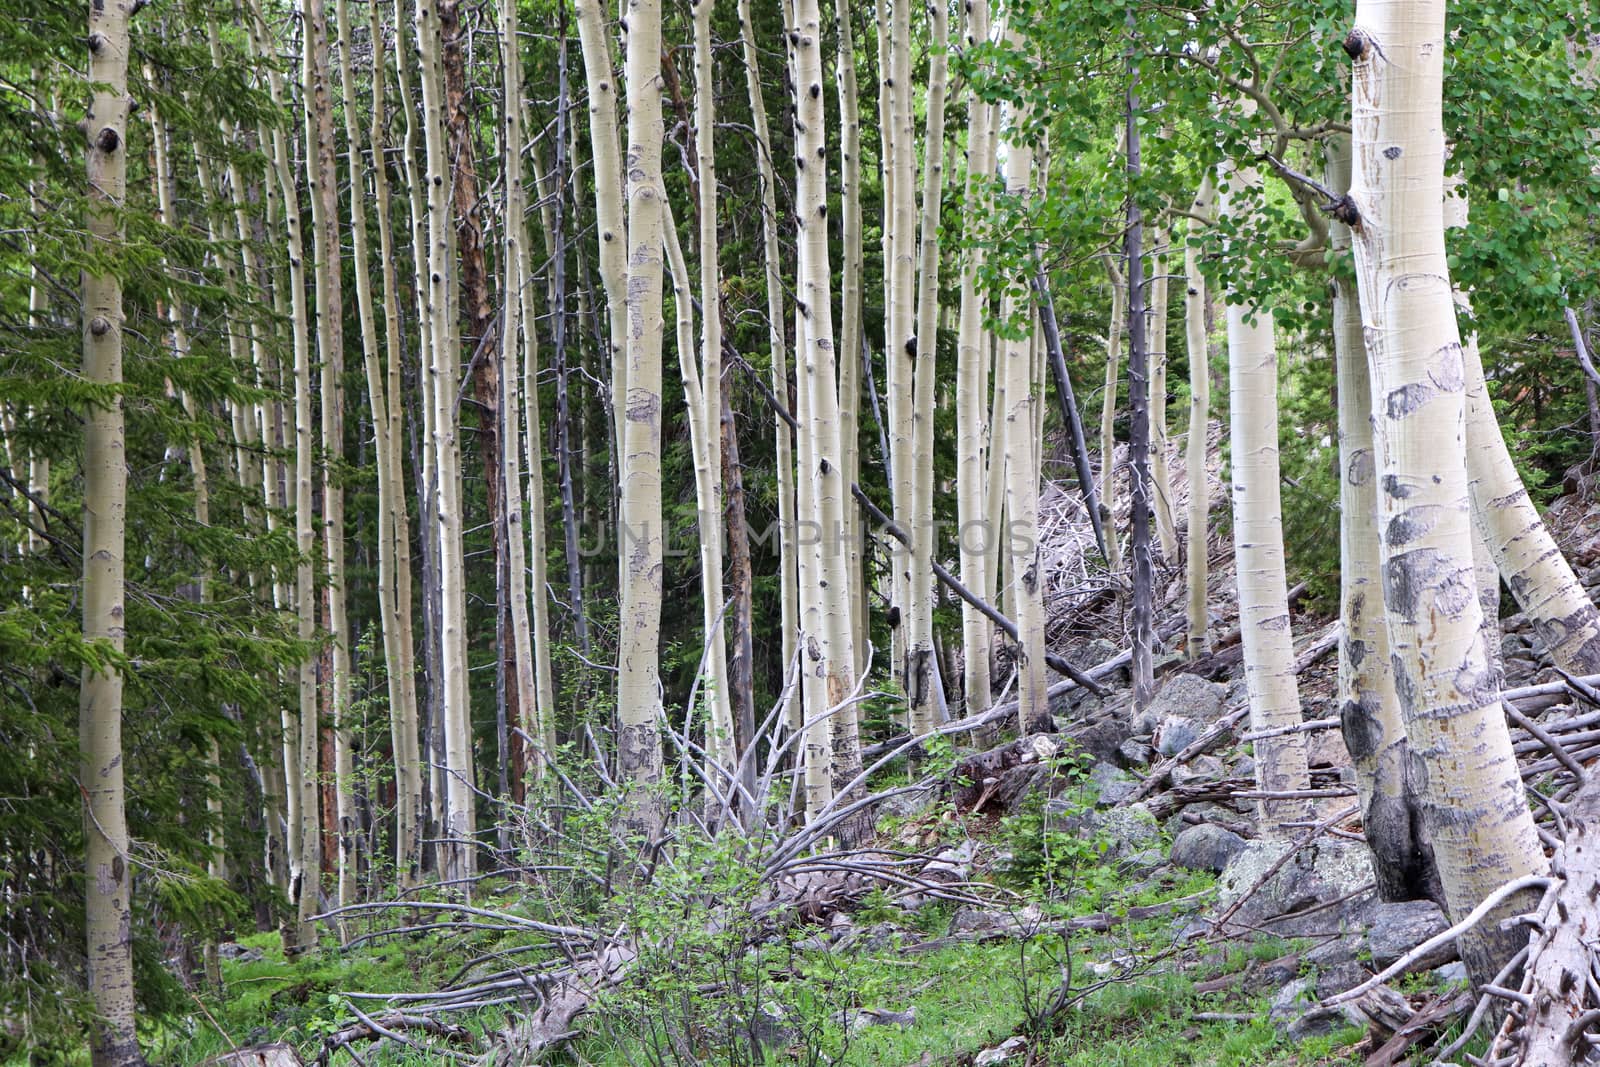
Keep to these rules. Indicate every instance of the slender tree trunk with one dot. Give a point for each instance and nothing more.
(834, 661)
(1108, 416)
(1021, 451)
(1141, 623)
(322, 175)
(920, 675)
(899, 277)
(639, 649)
(1369, 707)
(1264, 619)
(1197, 549)
(1156, 339)
(972, 387)
(1473, 803)
(771, 263)
(850, 332)
(524, 710)
(394, 526)
(457, 852)
(107, 869)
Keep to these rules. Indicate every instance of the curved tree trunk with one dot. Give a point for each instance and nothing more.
(1473, 803)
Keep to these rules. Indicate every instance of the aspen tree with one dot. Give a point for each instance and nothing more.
(1108, 414)
(1142, 572)
(322, 179)
(972, 385)
(1369, 708)
(920, 675)
(834, 661)
(394, 526)
(1197, 554)
(1021, 453)
(638, 652)
(771, 264)
(457, 852)
(1472, 799)
(514, 262)
(899, 278)
(850, 332)
(108, 872)
(720, 733)
(609, 179)
(1156, 338)
(1264, 620)
(300, 730)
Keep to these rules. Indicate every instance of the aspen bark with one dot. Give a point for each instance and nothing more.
(850, 331)
(1369, 708)
(394, 526)
(1021, 452)
(300, 730)
(514, 262)
(322, 176)
(899, 277)
(972, 386)
(1141, 624)
(772, 266)
(1160, 441)
(638, 653)
(920, 676)
(1472, 798)
(609, 179)
(1197, 552)
(834, 660)
(1108, 415)
(108, 873)
(1264, 619)
(457, 853)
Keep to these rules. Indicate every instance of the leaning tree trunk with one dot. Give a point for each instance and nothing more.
(919, 674)
(1369, 707)
(972, 386)
(1264, 620)
(1196, 547)
(108, 871)
(639, 644)
(1473, 804)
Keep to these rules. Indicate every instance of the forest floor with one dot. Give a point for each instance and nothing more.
(1041, 902)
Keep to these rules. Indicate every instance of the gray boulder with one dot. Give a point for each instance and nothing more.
(1295, 1012)
(1112, 786)
(1398, 928)
(1206, 848)
(1189, 696)
(1174, 733)
(1325, 885)
(1129, 830)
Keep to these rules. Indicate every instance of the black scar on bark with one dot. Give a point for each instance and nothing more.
(1404, 529)
(1394, 487)
(1355, 43)
(1404, 690)
(1358, 722)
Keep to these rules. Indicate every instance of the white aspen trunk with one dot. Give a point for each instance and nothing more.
(722, 743)
(1369, 708)
(457, 852)
(972, 386)
(108, 872)
(995, 479)
(899, 277)
(1472, 799)
(919, 676)
(1264, 619)
(772, 265)
(394, 523)
(322, 179)
(811, 717)
(638, 653)
(850, 334)
(300, 730)
(609, 182)
(1160, 467)
(514, 261)
(428, 770)
(1108, 415)
(835, 659)
(1197, 551)
(1021, 456)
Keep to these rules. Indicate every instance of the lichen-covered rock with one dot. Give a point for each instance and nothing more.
(1398, 928)
(1333, 876)
(1206, 848)
(1189, 696)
